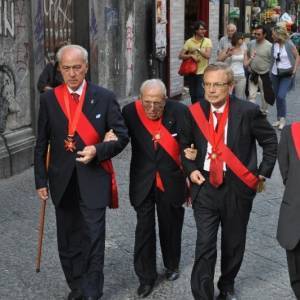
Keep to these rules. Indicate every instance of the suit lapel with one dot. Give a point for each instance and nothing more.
(234, 119)
(90, 101)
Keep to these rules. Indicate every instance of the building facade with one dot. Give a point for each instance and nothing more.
(128, 42)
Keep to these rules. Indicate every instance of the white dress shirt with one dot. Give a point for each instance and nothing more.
(209, 147)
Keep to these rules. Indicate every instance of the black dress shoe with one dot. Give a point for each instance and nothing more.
(172, 275)
(145, 290)
(227, 296)
(75, 295)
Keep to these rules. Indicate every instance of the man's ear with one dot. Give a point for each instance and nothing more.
(231, 87)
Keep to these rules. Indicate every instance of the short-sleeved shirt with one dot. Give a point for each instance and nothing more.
(261, 63)
(191, 45)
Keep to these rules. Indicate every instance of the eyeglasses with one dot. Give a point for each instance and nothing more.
(148, 104)
(215, 85)
(75, 68)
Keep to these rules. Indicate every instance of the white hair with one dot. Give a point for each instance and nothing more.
(153, 83)
(83, 51)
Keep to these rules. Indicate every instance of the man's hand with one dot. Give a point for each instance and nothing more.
(190, 153)
(87, 154)
(43, 193)
(196, 177)
(110, 136)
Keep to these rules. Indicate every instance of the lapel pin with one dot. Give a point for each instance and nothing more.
(98, 116)
(92, 101)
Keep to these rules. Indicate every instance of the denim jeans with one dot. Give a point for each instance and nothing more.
(195, 87)
(281, 86)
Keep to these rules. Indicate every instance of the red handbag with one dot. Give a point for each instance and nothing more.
(188, 67)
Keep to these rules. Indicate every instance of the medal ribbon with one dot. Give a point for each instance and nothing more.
(218, 134)
(89, 136)
(166, 140)
(74, 117)
(235, 165)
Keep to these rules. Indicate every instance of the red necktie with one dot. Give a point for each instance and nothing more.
(216, 164)
(75, 97)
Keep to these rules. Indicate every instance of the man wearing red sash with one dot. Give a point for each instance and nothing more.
(156, 179)
(224, 177)
(288, 233)
(73, 119)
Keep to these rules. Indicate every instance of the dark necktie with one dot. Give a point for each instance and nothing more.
(216, 164)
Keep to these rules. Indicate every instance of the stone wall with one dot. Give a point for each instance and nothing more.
(16, 135)
(119, 43)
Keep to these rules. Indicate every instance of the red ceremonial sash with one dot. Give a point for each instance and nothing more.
(166, 140)
(236, 166)
(89, 136)
(295, 131)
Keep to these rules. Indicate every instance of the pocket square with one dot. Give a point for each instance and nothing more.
(98, 116)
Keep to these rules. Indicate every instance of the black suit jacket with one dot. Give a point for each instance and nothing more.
(145, 160)
(288, 233)
(246, 126)
(102, 110)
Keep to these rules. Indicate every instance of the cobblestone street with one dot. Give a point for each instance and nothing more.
(263, 275)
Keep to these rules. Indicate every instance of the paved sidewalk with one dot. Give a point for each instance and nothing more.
(263, 275)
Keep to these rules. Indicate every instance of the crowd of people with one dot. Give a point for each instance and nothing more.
(258, 65)
(204, 154)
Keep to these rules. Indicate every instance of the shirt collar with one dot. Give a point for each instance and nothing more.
(219, 109)
(79, 90)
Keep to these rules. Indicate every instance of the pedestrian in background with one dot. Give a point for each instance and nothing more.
(288, 234)
(73, 119)
(260, 62)
(224, 177)
(156, 180)
(285, 63)
(51, 76)
(238, 60)
(199, 49)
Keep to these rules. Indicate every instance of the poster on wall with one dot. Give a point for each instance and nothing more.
(160, 29)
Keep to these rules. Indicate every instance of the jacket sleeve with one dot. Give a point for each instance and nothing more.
(267, 139)
(283, 154)
(186, 135)
(41, 146)
(114, 121)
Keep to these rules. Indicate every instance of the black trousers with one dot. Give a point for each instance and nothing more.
(81, 242)
(293, 259)
(212, 207)
(170, 221)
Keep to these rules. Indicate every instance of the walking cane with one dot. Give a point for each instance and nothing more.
(42, 222)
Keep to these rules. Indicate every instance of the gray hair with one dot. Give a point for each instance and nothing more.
(231, 25)
(153, 83)
(221, 66)
(83, 51)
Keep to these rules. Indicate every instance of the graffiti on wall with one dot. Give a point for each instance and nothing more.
(7, 18)
(8, 103)
(129, 53)
(93, 36)
(39, 34)
(55, 10)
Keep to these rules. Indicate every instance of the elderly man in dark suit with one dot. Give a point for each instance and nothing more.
(156, 179)
(288, 233)
(73, 119)
(224, 177)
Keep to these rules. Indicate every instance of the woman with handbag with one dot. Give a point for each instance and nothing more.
(198, 48)
(285, 62)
